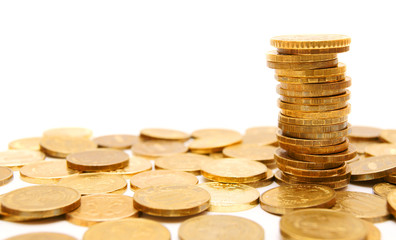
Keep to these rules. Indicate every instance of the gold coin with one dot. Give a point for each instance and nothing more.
(303, 65)
(6, 175)
(136, 165)
(102, 208)
(45, 172)
(312, 129)
(230, 197)
(310, 108)
(309, 122)
(233, 170)
(362, 132)
(313, 51)
(309, 142)
(304, 80)
(158, 148)
(98, 160)
(70, 132)
(42, 236)
(127, 229)
(288, 179)
(287, 198)
(366, 206)
(383, 189)
(391, 202)
(315, 176)
(316, 150)
(381, 149)
(26, 144)
(60, 147)
(335, 157)
(171, 201)
(373, 233)
(307, 135)
(340, 69)
(263, 182)
(373, 168)
(216, 155)
(41, 201)
(329, 114)
(314, 87)
(313, 173)
(164, 134)
(260, 135)
(213, 140)
(388, 135)
(391, 178)
(319, 224)
(187, 162)
(274, 56)
(311, 41)
(15, 159)
(162, 177)
(317, 101)
(95, 183)
(264, 154)
(361, 144)
(118, 141)
(311, 94)
(216, 227)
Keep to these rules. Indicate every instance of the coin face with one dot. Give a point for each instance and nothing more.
(117, 141)
(363, 132)
(98, 159)
(17, 158)
(381, 149)
(42, 236)
(213, 227)
(136, 165)
(26, 144)
(60, 147)
(287, 198)
(41, 201)
(361, 144)
(383, 189)
(6, 175)
(264, 154)
(308, 41)
(230, 197)
(101, 208)
(362, 205)
(373, 233)
(187, 162)
(46, 172)
(127, 228)
(95, 183)
(388, 135)
(260, 135)
(391, 199)
(213, 140)
(162, 177)
(72, 132)
(164, 134)
(158, 148)
(321, 224)
(232, 170)
(373, 167)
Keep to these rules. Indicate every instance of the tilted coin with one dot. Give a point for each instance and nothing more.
(347, 82)
(373, 233)
(187, 162)
(311, 108)
(216, 155)
(264, 154)
(158, 148)
(383, 189)
(313, 50)
(373, 167)
(60, 147)
(316, 150)
(215, 227)
(388, 135)
(346, 155)
(117, 141)
(311, 41)
(15, 159)
(366, 206)
(32, 143)
(102, 208)
(213, 140)
(311, 94)
(315, 176)
(319, 224)
(303, 65)
(380, 149)
(162, 177)
(306, 80)
(391, 202)
(309, 142)
(361, 144)
(42, 236)
(287, 198)
(260, 135)
(230, 197)
(45, 172)
(329, 114)
(72, 132)
(338, 182)
(41, 201)
(95, 183)
(306, 121)
(274, 56)
(263, 182)
(171, 201)
(6, 175)
(233, 170)
(341, 68)
(363, 132)
(391, 178)
(312, 172)
(312, 129)
(98, 160)
(127, 229)
(164, 134)
(307, 135)
(136, 165)
(317, 101)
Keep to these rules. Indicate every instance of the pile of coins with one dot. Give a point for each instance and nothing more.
(313, 125)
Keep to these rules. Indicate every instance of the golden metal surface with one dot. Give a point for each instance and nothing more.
(364, 132)
(69, 132)
(60, 147)
(213, 140)
(366, 206)
(388, 135)
(391, 178)
(260, 135)
(216, 227)
(313, 51)
(336, 157)
(102, 208)
(287, 198)
(274, 56)
(127, 229)
(373, 233)
(311, 94)
(263, 182)
(42, 236)
(230, 197)
(329, 114)
(310, 41)
(309, 142)
(45, 172)
(303, 65)
(98, 160)
(317, 101)
(162, 177)
(309, 122)
(380, 149)
(306, 80)
(187, 162)
(340, 69)
(319, 224)
(264, 154)
(312, 129)
(315, 150)
(383, 189)
(315, 177)
(18, 158)
(95, 183)
(136, 165)
(164, 134)
(6, 175)
(361, 144)
(158, 148)
(41, 201)
(315, 87)
(311, 108)
(171, 201)
(391, 202)
(373, 168)
(307, 135)
(117, 141)
(32, 143)
(312, 172)
(233, 170)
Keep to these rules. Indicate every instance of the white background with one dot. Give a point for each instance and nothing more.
(119, 66)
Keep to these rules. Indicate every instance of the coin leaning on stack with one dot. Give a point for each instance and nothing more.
(313, 121)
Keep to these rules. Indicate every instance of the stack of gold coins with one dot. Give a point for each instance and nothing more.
(313, 125)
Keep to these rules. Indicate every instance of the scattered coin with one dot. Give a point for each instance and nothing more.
(373, 168)
(213, 140)
(187, 162)
(264, 154)
(6, 175)
(260, 136)
(391, 178)
(98, 160)
(361, 144)
(42, 236)
(136, 165)
(263, 182)
(391, 202)
(388, 135)
(60, 147)
(214, 227)
(117, 141)
(70, 132)
(363, 132)
(162, 177)
(164, 134)
(32, 143)
(158, 148)
(171, 201)
(46, 172)
(383, 189)
(15, 159)
(380, 149)
(373, 233)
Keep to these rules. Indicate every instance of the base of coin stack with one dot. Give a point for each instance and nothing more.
(313, 123)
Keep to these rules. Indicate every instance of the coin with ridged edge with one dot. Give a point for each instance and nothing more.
(309, 122)
(303, 65)
(6, 175)
(346, 155)
(391, 202)
(308, 80)
(311, 41)
(317, 101)
(42, 236)
(383, 189)
(98, 160)
(46, 172)
(373, 168)
(311, 94)
(117, 141)
(309, 142)
(313, 51)
(162, 177)
(274, 56)
(32, 143)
